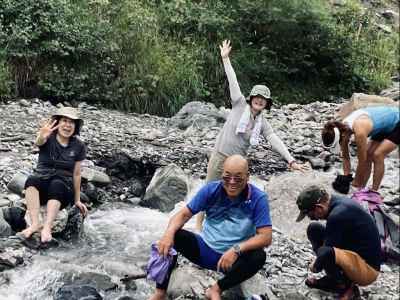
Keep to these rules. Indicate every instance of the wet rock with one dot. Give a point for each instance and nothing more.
(73, 227)
(306, 149)
(14, 216)
(5, 228)
(98, 281)
(168, 187)
(77, 292)
(10, 259)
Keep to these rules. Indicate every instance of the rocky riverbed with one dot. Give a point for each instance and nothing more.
(129, 148)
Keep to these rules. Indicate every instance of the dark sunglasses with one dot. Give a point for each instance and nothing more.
(234, 179)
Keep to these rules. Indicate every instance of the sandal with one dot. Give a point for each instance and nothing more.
(326, 283)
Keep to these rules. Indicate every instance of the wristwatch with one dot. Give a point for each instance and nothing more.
(236, 249)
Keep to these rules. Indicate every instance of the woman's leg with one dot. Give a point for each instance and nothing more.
(379, 155)
(60, 195)
(372, 146)
(214, 172)
(32, 197)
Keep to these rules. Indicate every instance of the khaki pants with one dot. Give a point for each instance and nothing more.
(215, 166)
(355, 267)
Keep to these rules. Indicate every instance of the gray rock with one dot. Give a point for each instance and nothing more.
(197, 114)
(77, 292)
(98, 281)
(317, 163)
(17, 183)
(168, 186)
(5, 228)
(306, 149)
(95, 176)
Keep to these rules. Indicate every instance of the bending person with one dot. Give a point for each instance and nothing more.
(382, 125)
(236, 229)
(347, 248)
(56, 181)
(244, 126)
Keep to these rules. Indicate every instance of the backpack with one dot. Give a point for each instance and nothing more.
(388, 229)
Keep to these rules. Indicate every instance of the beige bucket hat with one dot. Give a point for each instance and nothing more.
(71, 113)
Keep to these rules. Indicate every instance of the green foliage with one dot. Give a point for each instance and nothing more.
(155, 55)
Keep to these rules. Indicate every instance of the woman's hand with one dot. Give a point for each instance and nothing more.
(225, 48)
(299, 167)
(82, 207)
(47, 129)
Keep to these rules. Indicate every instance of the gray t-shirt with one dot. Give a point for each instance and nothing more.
(228, 142)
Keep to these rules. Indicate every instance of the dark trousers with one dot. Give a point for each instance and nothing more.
(325, 255)
(246, 266)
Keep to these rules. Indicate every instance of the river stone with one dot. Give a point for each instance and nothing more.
(180, 285)
(15, 217)
(95, 176)
(17, 183)
(168, 186)
(77, 292)
(5, 228)
(197, 114)
(74, 226)
(97, 280)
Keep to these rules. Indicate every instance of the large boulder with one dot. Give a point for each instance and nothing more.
(200, 114)
(77, 292)
(5, 228)
(168, 186)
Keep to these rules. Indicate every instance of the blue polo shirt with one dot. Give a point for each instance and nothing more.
(230, 221)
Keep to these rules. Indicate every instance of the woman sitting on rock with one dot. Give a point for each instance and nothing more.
(382, 125)
(244, 126)
(56, 181)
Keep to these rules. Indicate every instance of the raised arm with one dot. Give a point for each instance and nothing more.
(234, 88)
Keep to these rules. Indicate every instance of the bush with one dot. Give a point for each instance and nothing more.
(155, 55)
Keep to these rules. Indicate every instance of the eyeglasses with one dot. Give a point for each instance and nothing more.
(232, 179)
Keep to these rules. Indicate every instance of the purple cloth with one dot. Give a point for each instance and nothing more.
(158, 265)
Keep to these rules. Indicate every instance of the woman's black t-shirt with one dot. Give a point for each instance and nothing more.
(53, 155)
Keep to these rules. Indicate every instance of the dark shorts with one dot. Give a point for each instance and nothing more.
(393, 136)
(52, 188)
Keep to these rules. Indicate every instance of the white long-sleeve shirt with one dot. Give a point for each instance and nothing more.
(228, 142)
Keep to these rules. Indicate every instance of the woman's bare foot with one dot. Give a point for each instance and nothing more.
(214, 292)
(27, 233)
(46, 234)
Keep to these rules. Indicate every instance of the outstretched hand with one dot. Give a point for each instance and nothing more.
(225, 48)
(300, 167)
(48, 128)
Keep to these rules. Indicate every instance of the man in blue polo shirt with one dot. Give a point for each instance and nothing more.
(236, 229)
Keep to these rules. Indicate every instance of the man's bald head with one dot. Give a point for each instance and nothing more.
(236, 164)
(235, 175)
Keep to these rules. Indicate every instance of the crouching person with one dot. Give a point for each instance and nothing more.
(348, 248)
(237, 227)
